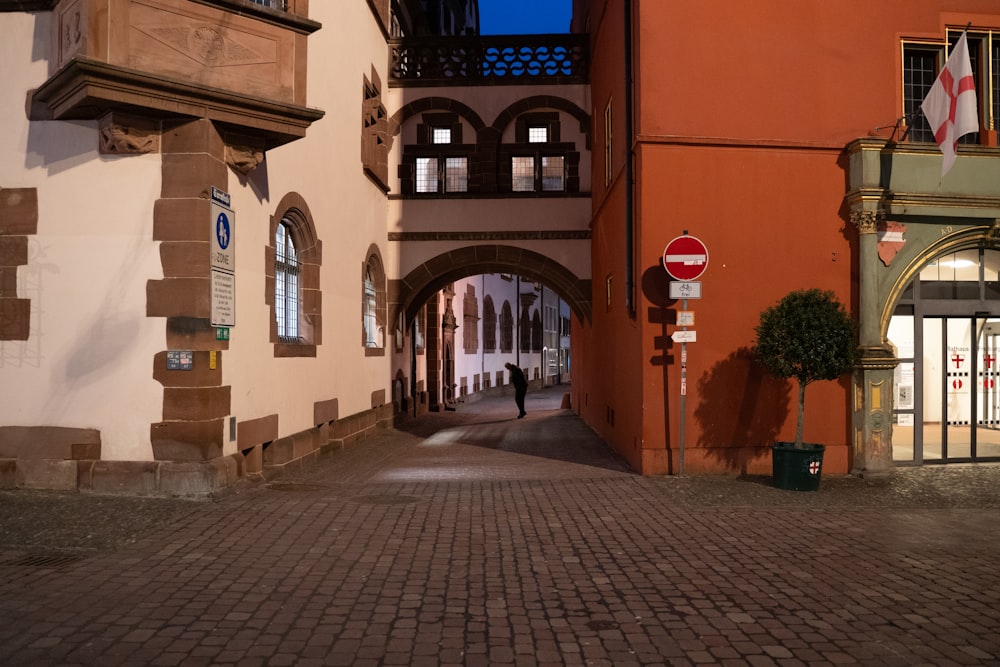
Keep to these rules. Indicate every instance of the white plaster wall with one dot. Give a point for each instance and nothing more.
(87, 362)
(469, 364)
(349, 212)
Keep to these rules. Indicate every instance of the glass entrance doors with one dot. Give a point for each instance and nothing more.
(946, 330)
(961, 405)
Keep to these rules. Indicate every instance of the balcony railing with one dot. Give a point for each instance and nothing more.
(505, 59)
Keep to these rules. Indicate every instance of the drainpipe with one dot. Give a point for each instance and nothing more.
(482, 346)
(629, 175)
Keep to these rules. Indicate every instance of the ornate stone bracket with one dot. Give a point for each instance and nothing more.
(122, 134)
(244, 159)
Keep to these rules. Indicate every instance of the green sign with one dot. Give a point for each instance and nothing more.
(221, 333)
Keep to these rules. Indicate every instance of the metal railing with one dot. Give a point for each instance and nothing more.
(505, 59)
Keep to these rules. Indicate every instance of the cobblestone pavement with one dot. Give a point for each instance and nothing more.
(474, 538)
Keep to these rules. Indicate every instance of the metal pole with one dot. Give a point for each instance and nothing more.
(684, 358)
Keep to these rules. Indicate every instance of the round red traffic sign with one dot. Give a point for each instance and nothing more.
(685, 258)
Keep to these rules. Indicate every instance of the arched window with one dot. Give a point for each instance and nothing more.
(373, 306)
(524, 330)
(292, 271)
(369, 310)
(286, 285)
(536, 332)
(506, 328)
(489, 325)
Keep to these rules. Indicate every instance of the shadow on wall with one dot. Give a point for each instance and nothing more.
(741, 411)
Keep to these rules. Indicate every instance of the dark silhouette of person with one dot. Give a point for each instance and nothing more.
(520, 387)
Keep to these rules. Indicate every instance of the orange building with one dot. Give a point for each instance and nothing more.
(785, 136)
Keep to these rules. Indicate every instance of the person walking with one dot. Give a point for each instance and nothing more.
(520, 387)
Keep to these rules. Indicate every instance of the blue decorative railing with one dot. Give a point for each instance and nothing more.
(505, 59)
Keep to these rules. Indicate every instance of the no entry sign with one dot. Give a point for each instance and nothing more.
(685, 258)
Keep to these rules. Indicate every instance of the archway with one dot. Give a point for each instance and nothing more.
(411, 292)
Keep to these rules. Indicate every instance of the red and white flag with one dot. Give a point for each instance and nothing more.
(951, 107)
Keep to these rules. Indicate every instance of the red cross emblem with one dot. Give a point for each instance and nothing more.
(958, 359)
(988, 360)
(814, 467)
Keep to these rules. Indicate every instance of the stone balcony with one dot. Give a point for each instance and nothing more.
(490, 61)
(240, 63)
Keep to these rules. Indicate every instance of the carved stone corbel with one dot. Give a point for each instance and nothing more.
(121, 134)
(244, 159)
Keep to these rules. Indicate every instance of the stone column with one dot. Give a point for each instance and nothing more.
(872, 386)
(195, 402)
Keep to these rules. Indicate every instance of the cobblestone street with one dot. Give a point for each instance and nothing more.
(474, 538)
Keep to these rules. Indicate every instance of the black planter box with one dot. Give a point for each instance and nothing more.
(797, 468)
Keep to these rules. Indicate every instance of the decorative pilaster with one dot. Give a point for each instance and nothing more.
(873, 376)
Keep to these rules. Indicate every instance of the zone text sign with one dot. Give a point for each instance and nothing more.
(222, 243)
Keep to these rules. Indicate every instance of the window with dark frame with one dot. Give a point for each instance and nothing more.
(373, 304)
(489, 325)
(538, 160)
(369, 310)
(922, 62)
(286, 285)
(439, 162)
(506, 328)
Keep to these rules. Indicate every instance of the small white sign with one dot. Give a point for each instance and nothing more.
(685, 290)
(685, 336)
(685, 318)
(223, 299)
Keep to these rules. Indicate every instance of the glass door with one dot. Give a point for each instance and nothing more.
(961, 407)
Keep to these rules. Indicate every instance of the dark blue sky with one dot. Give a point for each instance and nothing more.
(523, 17)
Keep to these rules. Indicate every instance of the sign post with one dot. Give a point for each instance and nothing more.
(223, 264)
(685, 258)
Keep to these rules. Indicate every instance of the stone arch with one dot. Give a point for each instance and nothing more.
(413, 291)
(507, 116)
(407, 111)
(961, 239)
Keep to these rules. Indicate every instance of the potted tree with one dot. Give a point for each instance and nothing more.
(808, 336)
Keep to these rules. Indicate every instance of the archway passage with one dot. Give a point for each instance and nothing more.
(945, 330)
(411, 292)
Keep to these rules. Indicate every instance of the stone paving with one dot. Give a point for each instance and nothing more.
(474, 538)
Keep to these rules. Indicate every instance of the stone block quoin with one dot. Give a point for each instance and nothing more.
(18, 220)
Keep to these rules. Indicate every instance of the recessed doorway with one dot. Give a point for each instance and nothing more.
(946, 329)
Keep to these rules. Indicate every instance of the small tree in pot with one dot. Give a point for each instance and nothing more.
(807, 336)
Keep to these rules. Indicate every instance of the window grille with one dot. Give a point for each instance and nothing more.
(553, 174)
(369, 314)
(286, 285)
(523, 174)
(281, 5)
(441, 135)
(427, 174)
(456, 177)
(538, 135)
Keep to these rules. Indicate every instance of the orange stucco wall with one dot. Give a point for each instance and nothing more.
(742, 113)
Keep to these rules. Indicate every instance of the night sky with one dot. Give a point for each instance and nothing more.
(520, 17)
